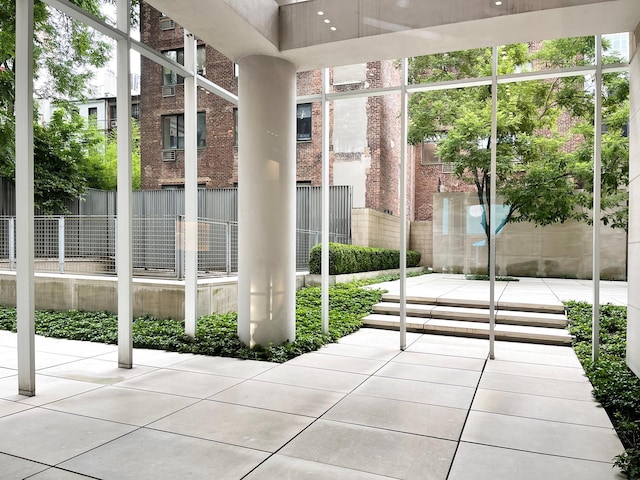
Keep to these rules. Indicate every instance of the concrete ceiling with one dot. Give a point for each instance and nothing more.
(366, 30)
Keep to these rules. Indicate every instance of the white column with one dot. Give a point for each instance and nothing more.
(25, 292)
(325, 203)
(492, 196)
(266, 200)
(597, 175)
(125, 211)
(190, 187)
(633, 308)
(404, 113)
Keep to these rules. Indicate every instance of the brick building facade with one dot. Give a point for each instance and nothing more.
(364, 132)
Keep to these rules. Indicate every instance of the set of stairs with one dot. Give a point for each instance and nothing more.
(470, 318)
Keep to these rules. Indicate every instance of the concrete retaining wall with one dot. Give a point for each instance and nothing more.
(162, 298)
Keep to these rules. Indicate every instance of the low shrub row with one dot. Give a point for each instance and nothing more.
(614, 385)
(216, 334)
(352, 259)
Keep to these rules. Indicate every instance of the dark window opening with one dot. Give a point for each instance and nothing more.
(303, 122)
(173, 131)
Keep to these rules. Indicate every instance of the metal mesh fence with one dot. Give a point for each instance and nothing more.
(214, 247)
(6, 240)
(154, 245)
(87, 244)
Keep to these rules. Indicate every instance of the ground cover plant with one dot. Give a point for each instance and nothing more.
(499, 278)
(217, 333)
(614, 385)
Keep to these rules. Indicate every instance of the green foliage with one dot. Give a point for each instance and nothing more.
(101, 166)
(352, 259)
(614, 385)
(539, 175)
(217, 333)
(59, 151)
(486, 277)
(65, 54)
(388, 277)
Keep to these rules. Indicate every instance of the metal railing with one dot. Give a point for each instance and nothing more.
(87, 244)
(220, 204)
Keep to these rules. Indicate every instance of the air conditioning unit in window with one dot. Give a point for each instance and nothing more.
(168, 90)
(167, 24)
(169, 156)
(448, 167)
(113, 123)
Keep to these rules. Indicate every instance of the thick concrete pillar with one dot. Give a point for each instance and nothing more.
(266, 200)
(633, 311)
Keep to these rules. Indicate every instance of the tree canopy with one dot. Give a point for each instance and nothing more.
(545, 130)
(66, 53)
(100, 169)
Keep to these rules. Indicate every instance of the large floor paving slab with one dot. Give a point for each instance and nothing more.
(360, 409)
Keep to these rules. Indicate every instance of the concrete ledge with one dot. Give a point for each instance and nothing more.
(159, 297)
(315, 280)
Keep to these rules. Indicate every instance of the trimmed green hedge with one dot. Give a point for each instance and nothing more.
(353, 259)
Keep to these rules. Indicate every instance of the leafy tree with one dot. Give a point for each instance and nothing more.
(101, 166)
(65, 53)
(541, 177)
(60, 149)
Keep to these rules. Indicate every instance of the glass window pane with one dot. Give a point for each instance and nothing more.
(303, 122)
(235, 127)
(201, 60)
(180, 121)
(202, 130)
(169, 132)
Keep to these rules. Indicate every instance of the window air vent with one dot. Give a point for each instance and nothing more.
(169, 156)
(168, 90)
(167, 24)
(448, 167)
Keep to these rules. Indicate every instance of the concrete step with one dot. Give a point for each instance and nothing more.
(517, 333)
(476, 303)
(467, 314)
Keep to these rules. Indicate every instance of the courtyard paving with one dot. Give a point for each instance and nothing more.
(357, 409)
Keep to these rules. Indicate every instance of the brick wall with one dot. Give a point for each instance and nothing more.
(216, 165)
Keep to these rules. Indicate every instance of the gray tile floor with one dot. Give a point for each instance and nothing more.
(359, 409)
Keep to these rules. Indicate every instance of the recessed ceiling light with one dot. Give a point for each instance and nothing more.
(320, 12)
(498, 3)
(333, 29)
(326, 20)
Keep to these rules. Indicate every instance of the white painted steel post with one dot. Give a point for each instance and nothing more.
(597, 172)
(402, 201)
(12, 243)
(125, 212)
(180, 247)
(190, 187)
(61, 243)
(325, 203)
(25, 290)
(266, 200)
(492, 197)
(228, 247)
